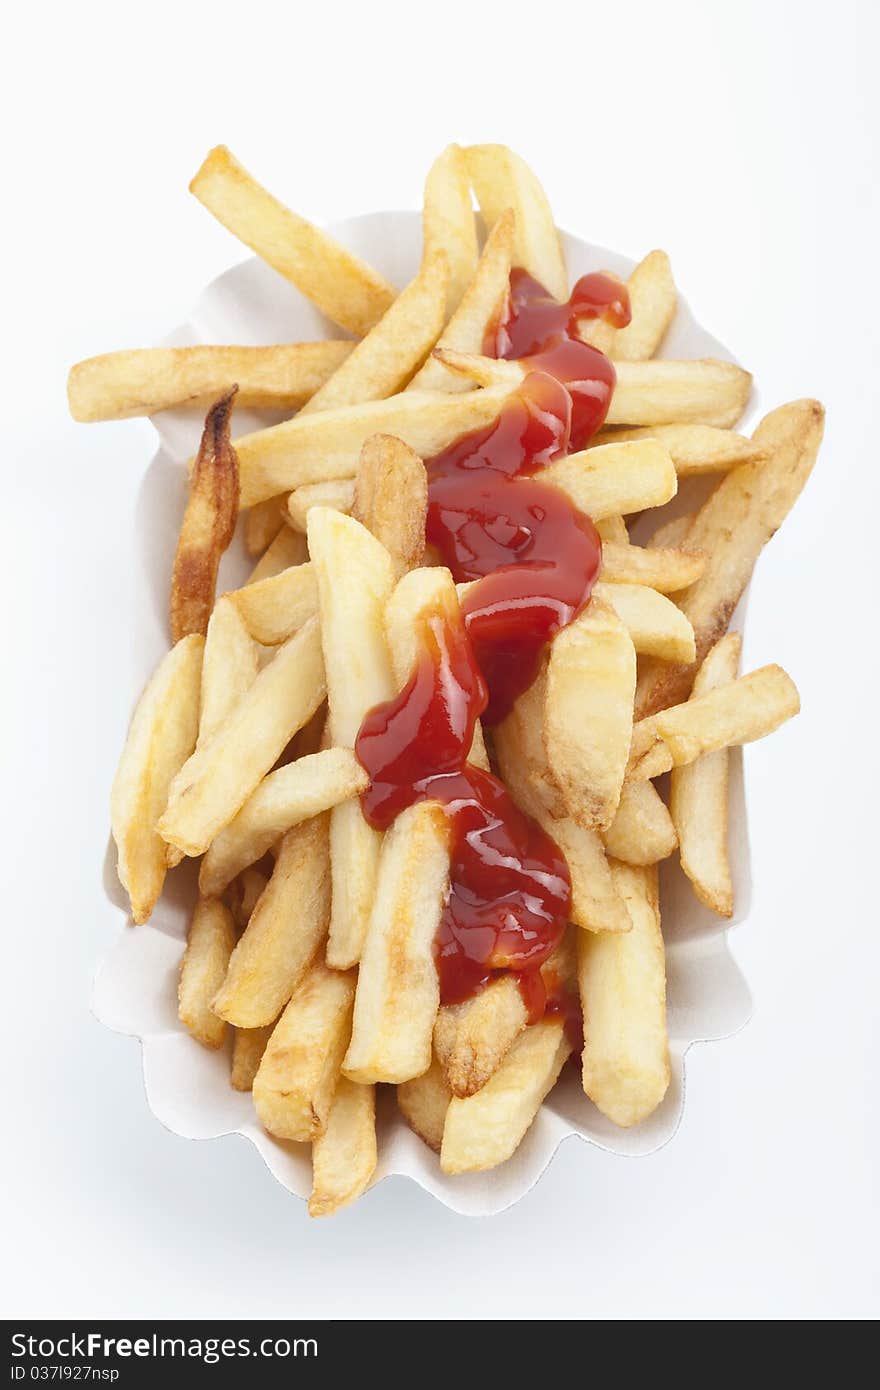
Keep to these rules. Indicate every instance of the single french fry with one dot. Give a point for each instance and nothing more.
(485, 1129)
(262, 523)
(423, 1103)
(209, 945)
(288, 548)
(591, 680)
(382, 363)
(502, 180)
(694, 449)
(659, 392)
(327, 445)
(522, 753)
(337, 493)
(208, 524)
(657, 627)
(732, 528)
(243, 894)
(398, 992)
(297, 1078)
(343, 286)
(481, 308)
(248, 1046)
(122, 385)
(344, 1156)
(622, 982)
(391, 499)
(668, 571)
(215, 782)
(612, 531)
(274, 609)
(161, 737)
(698, 795)
(747, 709)
(229, 668)
(285, 932)
(652, 303)
(355, 577)
(642, 831)
(448, 222)
(291, 794)
(471, 1039)
(616, 478)
(671, 534)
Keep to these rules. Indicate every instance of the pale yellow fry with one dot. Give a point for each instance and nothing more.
(591, 680)
(317, 448)
(262, 523)
(209, 944)
(488, 1127)
(448, 222)
(383, 362)
(273, 609)
(286, 930)
(215, 782)
(502, 180)
(391, 498)
(657, 627)
(698, 795)
(343, 286)
(659, 392)
(337, 493)
(398, 992)
(732, 528)
(119, 385)
(423, 1103)
(248, 1046)
(622, 982)
(288, 548)
(652, 302)
(612, 530)
(297, 1079)
(161, 736)
(519, 744)
(675, 533)
(244, 894)
(479, 311)
(229, 668)
(745, 710)
(344, 1156)
(642, 831)
(355, 577)
(694, 449)
(668, 571)
(291, 794)
(616, 478)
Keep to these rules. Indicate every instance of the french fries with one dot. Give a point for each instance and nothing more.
(215, 781)
(343, 286)
(745, 710)
(121, 385)
(208, 948)
(286, 930)
(207, 526)
(622, 982)
(448, 223)
(245, 747)
(161, 737)
(294, 1087)
(698, 794)
(591, 681)
(344, 1155)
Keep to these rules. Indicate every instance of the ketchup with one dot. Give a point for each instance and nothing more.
(535, 558)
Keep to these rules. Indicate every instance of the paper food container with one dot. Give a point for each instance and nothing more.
(135, 990)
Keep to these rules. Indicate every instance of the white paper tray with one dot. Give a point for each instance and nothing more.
(136, 985)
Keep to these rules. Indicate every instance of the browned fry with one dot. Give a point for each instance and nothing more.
(391, 498)
(731, 528)
(208, 524)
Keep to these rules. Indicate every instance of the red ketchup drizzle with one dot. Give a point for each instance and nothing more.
(535, 559)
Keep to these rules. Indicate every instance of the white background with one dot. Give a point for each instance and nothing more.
(741, 138)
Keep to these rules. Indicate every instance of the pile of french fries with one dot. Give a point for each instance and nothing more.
(313, 936)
